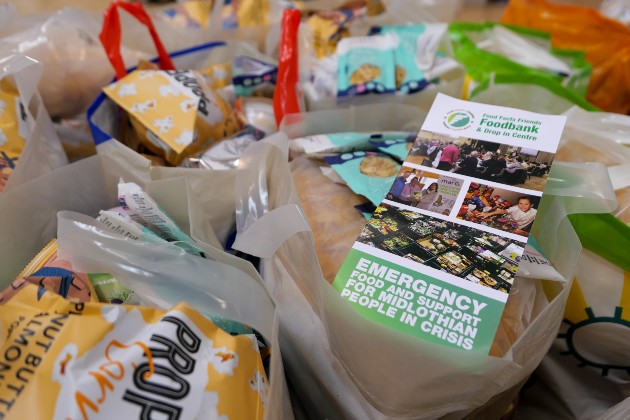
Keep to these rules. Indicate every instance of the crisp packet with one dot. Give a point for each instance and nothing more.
(49, 273)
(253, 77)
(366, 65)
(174, 113)
(81, 360)
(143, 210)
(366, 173)
(13, 130)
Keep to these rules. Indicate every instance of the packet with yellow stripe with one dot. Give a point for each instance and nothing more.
(12, 130)
(174, 113)
(85, 360)
(51, 274)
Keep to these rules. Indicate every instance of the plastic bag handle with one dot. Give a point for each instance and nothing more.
(110, 35)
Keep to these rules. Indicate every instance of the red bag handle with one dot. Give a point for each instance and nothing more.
(110, 35)
(285, 98)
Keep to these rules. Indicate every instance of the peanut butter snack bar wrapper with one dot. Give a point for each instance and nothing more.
(51, 274)
(65, 360)
(175, 114)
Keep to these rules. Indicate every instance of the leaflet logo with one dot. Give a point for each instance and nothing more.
(458, 119)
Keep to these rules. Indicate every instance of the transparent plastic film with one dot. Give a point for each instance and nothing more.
(153, 271)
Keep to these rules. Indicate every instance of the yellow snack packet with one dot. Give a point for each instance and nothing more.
(175, 113)
(327, 29)
(218, 75)
(12, 132)
(49, 273)
(199, 11)
(245, 13)
(67, 360)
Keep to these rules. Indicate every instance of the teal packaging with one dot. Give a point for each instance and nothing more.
(366, 65)
(346, 142)
(366, 173)
(395, 146)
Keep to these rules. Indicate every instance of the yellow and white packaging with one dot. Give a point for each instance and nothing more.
(51, 274)
(67, 360)
(174, 113)
(12, 130)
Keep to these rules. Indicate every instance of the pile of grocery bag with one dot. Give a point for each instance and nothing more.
(189, 182)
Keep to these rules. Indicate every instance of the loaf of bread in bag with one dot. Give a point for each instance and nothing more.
(336, 224)
(330, 211)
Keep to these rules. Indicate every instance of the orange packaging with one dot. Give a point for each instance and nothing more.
(70, 360)
(605, 41)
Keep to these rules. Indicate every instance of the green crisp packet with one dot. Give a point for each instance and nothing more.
(110, 290)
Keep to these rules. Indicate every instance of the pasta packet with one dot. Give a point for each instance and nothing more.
(49, 273)
(174, 113)
(13, 129)
(84, 359)
(366, 173)
(366, 65)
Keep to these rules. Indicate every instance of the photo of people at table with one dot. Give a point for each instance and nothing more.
(502, 163)
(425, 190)
(471, 254)
(498, 208)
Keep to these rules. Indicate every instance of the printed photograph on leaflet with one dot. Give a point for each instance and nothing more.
(485, 160)
(426, 190)
(439, 256)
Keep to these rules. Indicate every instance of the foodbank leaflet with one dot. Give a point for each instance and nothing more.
(440, 253)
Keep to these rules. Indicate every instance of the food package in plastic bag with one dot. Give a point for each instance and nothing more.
(172, 113)
(319, 195)
(75, 67)
(122, 364)
(527, 47)
(29, 146)
(604, 41)
(337, 364)
(587, 368)
(387, 61)
(494, 78)
(90, 185)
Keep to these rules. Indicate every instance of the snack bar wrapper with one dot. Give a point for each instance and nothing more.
(50, 274)
(67, 360)
(174, 113)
